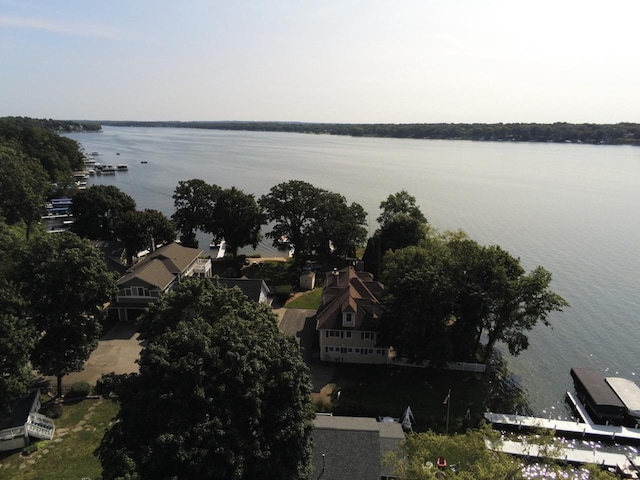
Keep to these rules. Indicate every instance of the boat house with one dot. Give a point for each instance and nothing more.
(599, 398)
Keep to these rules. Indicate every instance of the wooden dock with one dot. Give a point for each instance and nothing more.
(570, 455)
(605, 433)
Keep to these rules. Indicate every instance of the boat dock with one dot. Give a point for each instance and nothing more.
(579, 409)
(607, 433)
(571, 455)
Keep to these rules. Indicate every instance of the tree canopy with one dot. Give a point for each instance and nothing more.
(58, 155)
(443, 294)
(143, 230)
(221, 393)
(402, 224)
(309, 218)
(24, 185)
(69, 286)
(468, 458)
(237, 219)
(97, 209)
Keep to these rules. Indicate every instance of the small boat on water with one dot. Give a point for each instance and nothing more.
(108, 169)
(143, 161)
(122, 166)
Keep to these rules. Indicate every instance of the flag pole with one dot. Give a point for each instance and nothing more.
(448, 409)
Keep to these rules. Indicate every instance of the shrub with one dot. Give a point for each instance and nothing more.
(79, 390)
(283, 292)
(52, 409)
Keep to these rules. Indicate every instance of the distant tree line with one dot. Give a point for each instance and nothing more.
(54, 125)
(559, 132)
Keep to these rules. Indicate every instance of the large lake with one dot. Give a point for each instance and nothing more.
(574, 209)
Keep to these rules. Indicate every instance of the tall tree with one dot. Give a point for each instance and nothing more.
(69, 286)
(237, 218)
(292, 207)
(221, 393)
(17, 340)
(309, 217)
(338, 227)
(402, 224)
(400, 203)
(143, 230)
(24, 185)
(442, 295)
(96, 211)
(17, 333)
(194, 202)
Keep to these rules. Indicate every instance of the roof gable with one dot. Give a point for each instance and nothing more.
(349, 291)
(161, 267)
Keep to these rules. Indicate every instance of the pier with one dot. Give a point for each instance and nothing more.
(606, 433)
(571, 455)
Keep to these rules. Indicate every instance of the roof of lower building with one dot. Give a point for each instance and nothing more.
(353, 447)
(251, 287)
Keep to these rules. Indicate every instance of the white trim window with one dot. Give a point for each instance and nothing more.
(348, 319)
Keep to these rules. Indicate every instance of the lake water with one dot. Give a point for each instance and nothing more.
(574, 209)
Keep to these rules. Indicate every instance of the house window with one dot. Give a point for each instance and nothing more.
(349, 350)
(348, 334)
(348, 319)
(357, 350)
(366, 336)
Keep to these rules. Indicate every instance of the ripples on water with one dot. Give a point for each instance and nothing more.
(574, 209)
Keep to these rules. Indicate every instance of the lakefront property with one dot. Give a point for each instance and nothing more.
(346, 320)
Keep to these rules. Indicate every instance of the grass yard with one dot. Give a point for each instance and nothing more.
(386, 390)
(70, 453)
(310, 300)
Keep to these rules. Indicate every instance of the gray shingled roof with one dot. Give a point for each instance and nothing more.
(162, 266)
(251, 287)
(352, 446)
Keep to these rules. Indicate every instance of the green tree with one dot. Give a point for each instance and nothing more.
(194, 201)
(237, 218)
(17, 340)
(143, 230)
(309, 217)
(400, 203)
(402, 224)
(96, 211)
(24, 186)
(69, 286)
(442, 295)
(292, 207)
(467, 456)
(221, 393)
(338, 225)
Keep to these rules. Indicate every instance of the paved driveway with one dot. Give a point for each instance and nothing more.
(301, 324)
(117, 352)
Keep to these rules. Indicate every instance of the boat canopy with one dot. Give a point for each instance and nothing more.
(628, 392)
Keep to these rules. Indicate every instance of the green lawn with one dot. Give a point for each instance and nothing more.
(72, 457)
(310, 300)
(387, 390)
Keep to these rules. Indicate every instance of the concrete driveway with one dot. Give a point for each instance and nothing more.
(117, 352)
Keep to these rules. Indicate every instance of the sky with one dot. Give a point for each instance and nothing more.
(339, 61)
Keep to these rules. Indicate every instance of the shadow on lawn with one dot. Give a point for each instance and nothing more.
(387, 390)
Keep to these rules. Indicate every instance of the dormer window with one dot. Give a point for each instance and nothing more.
(348, 319)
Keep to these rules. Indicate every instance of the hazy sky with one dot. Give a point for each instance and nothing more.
(363, 61)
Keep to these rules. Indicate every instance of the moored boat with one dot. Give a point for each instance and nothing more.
(122, 166)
